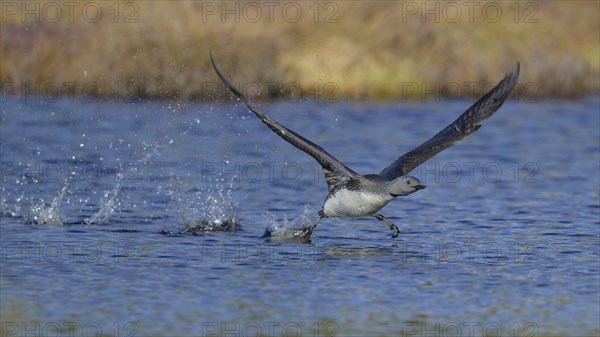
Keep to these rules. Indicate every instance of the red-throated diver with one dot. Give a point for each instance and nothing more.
(355, 195)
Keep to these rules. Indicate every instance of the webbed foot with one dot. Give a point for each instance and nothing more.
(395, 230)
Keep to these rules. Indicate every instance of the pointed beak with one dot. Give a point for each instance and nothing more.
(419, 187)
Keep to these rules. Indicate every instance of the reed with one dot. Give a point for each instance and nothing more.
(343, 50)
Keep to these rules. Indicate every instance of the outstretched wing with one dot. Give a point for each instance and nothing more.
(336, 173)
(466, 124)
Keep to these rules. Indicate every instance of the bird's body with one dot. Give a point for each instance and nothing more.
(354, 195)
(357, 198)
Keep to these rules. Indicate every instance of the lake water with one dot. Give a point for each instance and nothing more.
(101, 206)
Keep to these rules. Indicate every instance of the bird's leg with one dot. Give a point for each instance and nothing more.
(307, 232)
(393, 227)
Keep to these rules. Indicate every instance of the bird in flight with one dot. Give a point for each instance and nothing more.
(354, 195)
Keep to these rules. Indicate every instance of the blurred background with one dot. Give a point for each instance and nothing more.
(347, 50)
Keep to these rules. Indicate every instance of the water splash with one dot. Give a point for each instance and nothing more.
(108, 204)
(7, 211)
(43, 214)
(297, 228)
(208, 209)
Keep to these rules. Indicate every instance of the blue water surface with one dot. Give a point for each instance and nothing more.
(99, 201)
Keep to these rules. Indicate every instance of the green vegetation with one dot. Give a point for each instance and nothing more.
(334, 50)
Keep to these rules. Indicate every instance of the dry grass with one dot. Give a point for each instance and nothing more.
(373, 51)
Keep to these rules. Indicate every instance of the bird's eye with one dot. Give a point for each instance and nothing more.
(408, 182)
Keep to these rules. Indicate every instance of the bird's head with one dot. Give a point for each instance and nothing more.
(404, 185)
